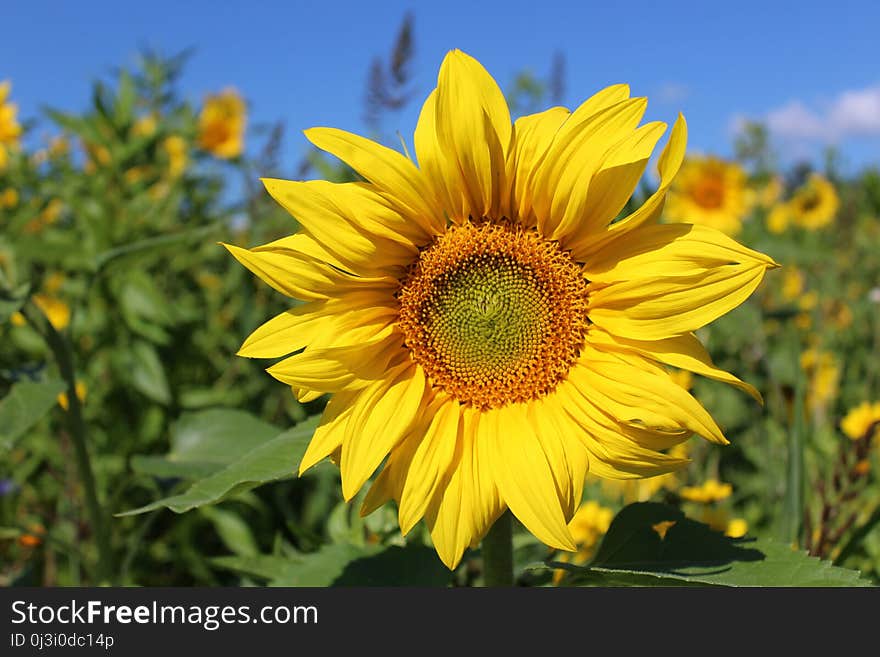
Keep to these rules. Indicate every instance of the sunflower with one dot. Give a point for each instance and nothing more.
(222, 124)
(712, 192)
(814, 204)
(486, 333)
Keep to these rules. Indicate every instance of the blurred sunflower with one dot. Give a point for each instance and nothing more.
(484, 329)
(221, 124)
(812, 206)
(710, 191)
(10, 128)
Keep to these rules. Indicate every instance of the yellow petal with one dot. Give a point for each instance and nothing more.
(533, 135)
(473, 128)
(462, 512)
(430, 464)
(682, 351)
(302, 277)
(331, 430)
(670, 250)
(658, 308)
(617, 450)
(614, 182)
(334, 322)
(588, 245)
(440, 172)
(524, 477)
(575, 155)
(392, 173)
(347, 216)
(641, 394)
(383, 414)
(565, 454)
(332, 369)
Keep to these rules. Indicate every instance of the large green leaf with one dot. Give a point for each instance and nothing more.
(639, 550)
(273, 460)
(207, 441)
(342, 564)
(24, 406)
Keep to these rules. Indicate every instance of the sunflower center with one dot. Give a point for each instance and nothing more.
(709, 193)
(810, 202)
(493, 313)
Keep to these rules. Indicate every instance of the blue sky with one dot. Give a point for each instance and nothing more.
(809, 69)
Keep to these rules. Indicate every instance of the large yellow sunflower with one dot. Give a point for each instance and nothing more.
(484, 330)
(710, 191)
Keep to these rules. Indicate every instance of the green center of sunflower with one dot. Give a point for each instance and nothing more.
(493, 313)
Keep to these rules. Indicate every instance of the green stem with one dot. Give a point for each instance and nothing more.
(63, 353)
(498, 553)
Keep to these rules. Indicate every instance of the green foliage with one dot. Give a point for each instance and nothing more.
(24, 406)
(639, 551)
(268, 461)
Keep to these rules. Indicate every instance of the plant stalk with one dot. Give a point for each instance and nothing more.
(497, 550)
(63, 353)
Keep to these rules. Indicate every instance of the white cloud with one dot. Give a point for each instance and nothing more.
(854, 113)
(671, 93)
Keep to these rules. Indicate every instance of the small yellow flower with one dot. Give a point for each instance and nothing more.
(589, 524)
(709, 191)
(9, 198)
(814, 205)
(823, 373)
(720, 521)
(145, 126)
(838, 313)
(792, 283)
(81, 392)
(176, 149)
(711, 491)
(222, 123)
(10, 128)
(96, 155)
(737, 528)
(55, 310)
(137, 174)
(859, 420)
(809, 300)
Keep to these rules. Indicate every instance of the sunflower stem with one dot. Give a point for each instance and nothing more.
(60, 347)
(498, 553)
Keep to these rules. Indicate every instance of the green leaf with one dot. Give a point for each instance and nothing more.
(152, 246)
(342, 564)
(207, 441)
(271, 461)
(233, 531)
(11, 301)
(633, 553)
(24, 406)
(147, 374)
